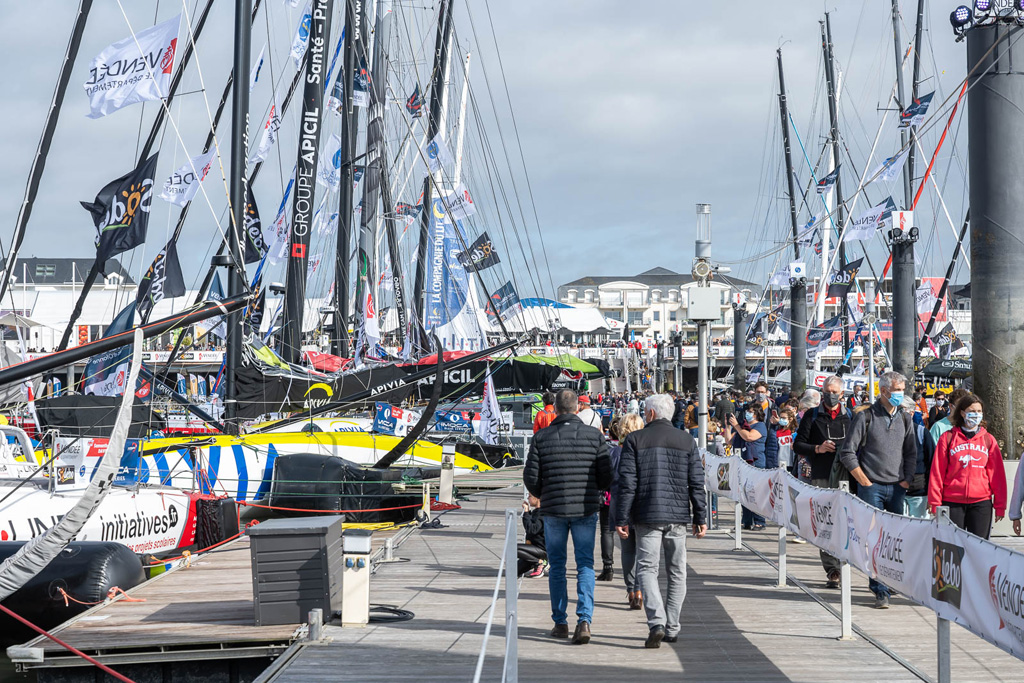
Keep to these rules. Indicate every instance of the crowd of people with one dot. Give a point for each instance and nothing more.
(632, 472)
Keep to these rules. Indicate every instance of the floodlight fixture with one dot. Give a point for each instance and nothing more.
(982, 6)
(961, 17)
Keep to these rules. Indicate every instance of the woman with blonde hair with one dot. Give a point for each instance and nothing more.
(629, 423)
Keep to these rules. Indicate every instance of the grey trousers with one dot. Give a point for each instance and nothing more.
(649, 543)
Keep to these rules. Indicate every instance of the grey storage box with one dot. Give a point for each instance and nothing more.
(296, 567)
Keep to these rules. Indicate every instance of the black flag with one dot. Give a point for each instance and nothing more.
(121, 211)
(843, 280)
(415, 103)
(255, 247)
(162, 281)
(480, 255)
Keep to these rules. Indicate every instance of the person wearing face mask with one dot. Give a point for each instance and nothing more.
(761, 397)
(753, 434)
(821, 433)
(880, 454)
(967, 471)
(783, 432)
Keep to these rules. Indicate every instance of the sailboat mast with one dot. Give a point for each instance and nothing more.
(147, 148)
(914, 84)
(237, 186)
(833, 114)
(798, 287)
(366, 260)
(306, 164)
(35, 174)
(444, 36)
(908, 192)
(354, 20)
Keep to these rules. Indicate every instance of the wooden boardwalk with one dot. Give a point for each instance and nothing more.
(736, 625)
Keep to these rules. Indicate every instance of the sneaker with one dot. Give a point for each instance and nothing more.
(797, 539)
(881, 602)
(536, 572)
(670, 639)
(655, 637)
(560, 631)
(608, 574)
(582, 635)
(833, 579)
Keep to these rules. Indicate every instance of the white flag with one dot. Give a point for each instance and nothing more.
(865, 225)
(490, 412)
(779, 278)
(326, 226)
(329, 173)
(890, 168)
(184, 183)
(132, 70)
(301, 39)
(269, 136)
(925, 299)
(460, 204)
(313, 264)
(806, 235)
(254, 73)
(278, 248)
(437, 154)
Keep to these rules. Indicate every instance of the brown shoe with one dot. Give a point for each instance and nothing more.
(637, 601)
(582, 635)
(560, 631)
(833, 580)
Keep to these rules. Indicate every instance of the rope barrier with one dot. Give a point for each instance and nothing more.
(74, 650)
(335, 512)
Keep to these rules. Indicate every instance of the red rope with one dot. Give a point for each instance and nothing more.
(333, 512)
(190, 554)
(111, 594)
(102, 667)
(931, 163)
(438, 506)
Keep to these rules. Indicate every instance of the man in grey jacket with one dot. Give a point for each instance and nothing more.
(881, 454)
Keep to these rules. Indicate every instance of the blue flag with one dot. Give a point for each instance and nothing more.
(106, 373)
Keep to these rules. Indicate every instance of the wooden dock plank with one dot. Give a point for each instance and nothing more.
(736, 624)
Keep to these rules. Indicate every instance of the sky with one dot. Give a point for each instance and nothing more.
(628, 114)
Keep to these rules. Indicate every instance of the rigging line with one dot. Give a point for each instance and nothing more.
(170, 118)
(504, 147)
(519, 142)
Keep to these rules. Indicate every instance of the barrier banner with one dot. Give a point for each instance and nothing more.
(964, 578)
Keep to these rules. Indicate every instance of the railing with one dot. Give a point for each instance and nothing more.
(509, 562)
(959, 576)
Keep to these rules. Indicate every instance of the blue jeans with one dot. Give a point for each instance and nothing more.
(888, 497)
(556, 540)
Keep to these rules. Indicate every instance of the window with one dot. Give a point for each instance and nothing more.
(636, 318)
(634, 299)
(657, 316)
(572, 296)
(656, 295)
(673, 295)
(45, 270)
(614, 315)
(673, 315)
(611, 299)
(588, 296)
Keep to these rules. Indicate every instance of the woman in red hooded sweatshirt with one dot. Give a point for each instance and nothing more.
(967, 471)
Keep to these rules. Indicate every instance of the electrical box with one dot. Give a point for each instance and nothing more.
(297, 566)
(705, 303)
(355, 604)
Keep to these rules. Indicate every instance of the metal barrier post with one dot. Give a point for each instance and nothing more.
(511, 597)
(739, 527)
(782, 557)
(942, 625)
(844, 589)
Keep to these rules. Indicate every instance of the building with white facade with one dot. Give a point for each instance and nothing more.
(653, 303)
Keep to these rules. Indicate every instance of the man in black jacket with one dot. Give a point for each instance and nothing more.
(568, 468)
(661, 491)
(821, 434)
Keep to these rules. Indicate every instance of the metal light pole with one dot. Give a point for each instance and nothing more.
(698, 311)
(869, 318)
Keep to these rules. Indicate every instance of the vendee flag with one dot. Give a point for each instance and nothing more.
(437, 154)
(459, 204)
(121, 211)
(826, 184)
(184, 183)
(843, 279)
(135, 69)
(301, 40)
(913, 116)
(480, 255)
(162, 281)
(106, 373)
